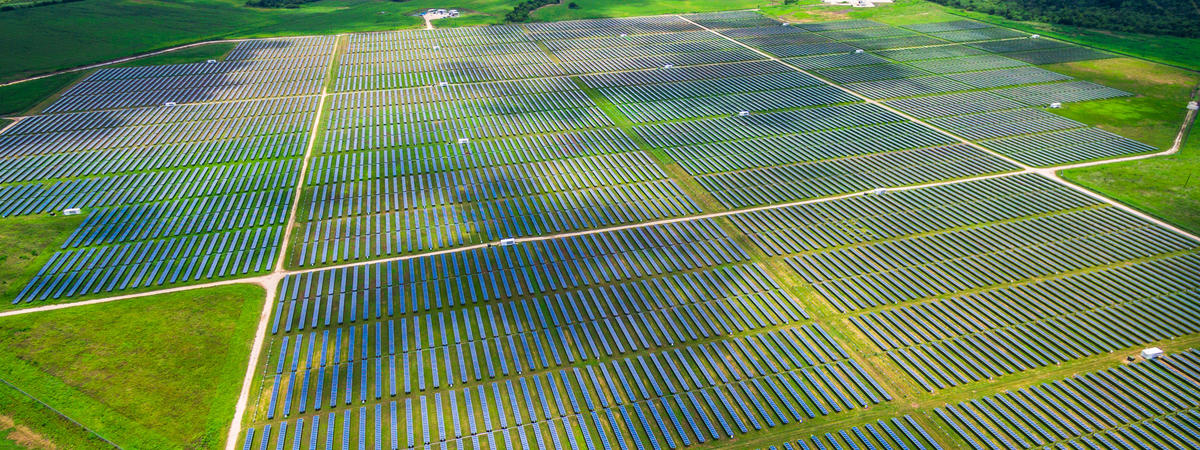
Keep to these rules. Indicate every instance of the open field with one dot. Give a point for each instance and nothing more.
(710, 230)
(1165, 187)
(29, 424)
(126, 369)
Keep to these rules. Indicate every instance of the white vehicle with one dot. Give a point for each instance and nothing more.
(463, 140)
(211, 61)
(508, 241)
(743, 113)
(72, 211)
(668, 66)
(169, 104)
(1055, 105)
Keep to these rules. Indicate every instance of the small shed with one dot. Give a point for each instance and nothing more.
(1192, 105)
(1055, 105)
(743, 113)
(463, 140)
(72, 212)
(169, 104)
(508, 241)
(1151, 353)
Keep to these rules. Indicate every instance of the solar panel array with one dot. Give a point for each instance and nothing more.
(444, 337)
(646, 335)
(196, 191)
(1142, 405)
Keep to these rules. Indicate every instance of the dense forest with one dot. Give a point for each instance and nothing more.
(1169, 17)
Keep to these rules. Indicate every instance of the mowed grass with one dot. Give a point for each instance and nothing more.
(590, 9)
(902, 12)
(160, 371)
(28, 242)
(1167, 187)
(1152, 116)
(197, 54)
(18, 99)
(25, 423)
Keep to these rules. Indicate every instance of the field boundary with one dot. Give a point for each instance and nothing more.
(60, 413)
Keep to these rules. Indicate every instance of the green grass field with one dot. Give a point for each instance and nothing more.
(124, 369)
(17, 99)
(28, 242)
(1152, 116)
(1167, 187)
(25, 423)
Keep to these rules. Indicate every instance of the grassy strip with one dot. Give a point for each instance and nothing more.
(200, 53)
(26, 97)
(589, 9)
(152, 372)
(25, 423)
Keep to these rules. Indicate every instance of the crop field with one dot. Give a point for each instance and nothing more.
(713, 230)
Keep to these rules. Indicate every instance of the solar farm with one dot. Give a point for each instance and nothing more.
(711, 230)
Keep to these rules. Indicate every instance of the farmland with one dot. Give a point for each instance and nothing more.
(711, 230)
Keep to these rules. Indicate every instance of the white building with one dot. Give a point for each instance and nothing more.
(1151, 353)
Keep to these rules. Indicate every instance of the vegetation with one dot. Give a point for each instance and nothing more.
(277, 3)
(1165, 17)
(1152, 116)
(1167, 187)
(520, 13)
(590, 9)
(123, 369)
(17, 99)
(9, 5)
(28, 242)
(25, 423)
